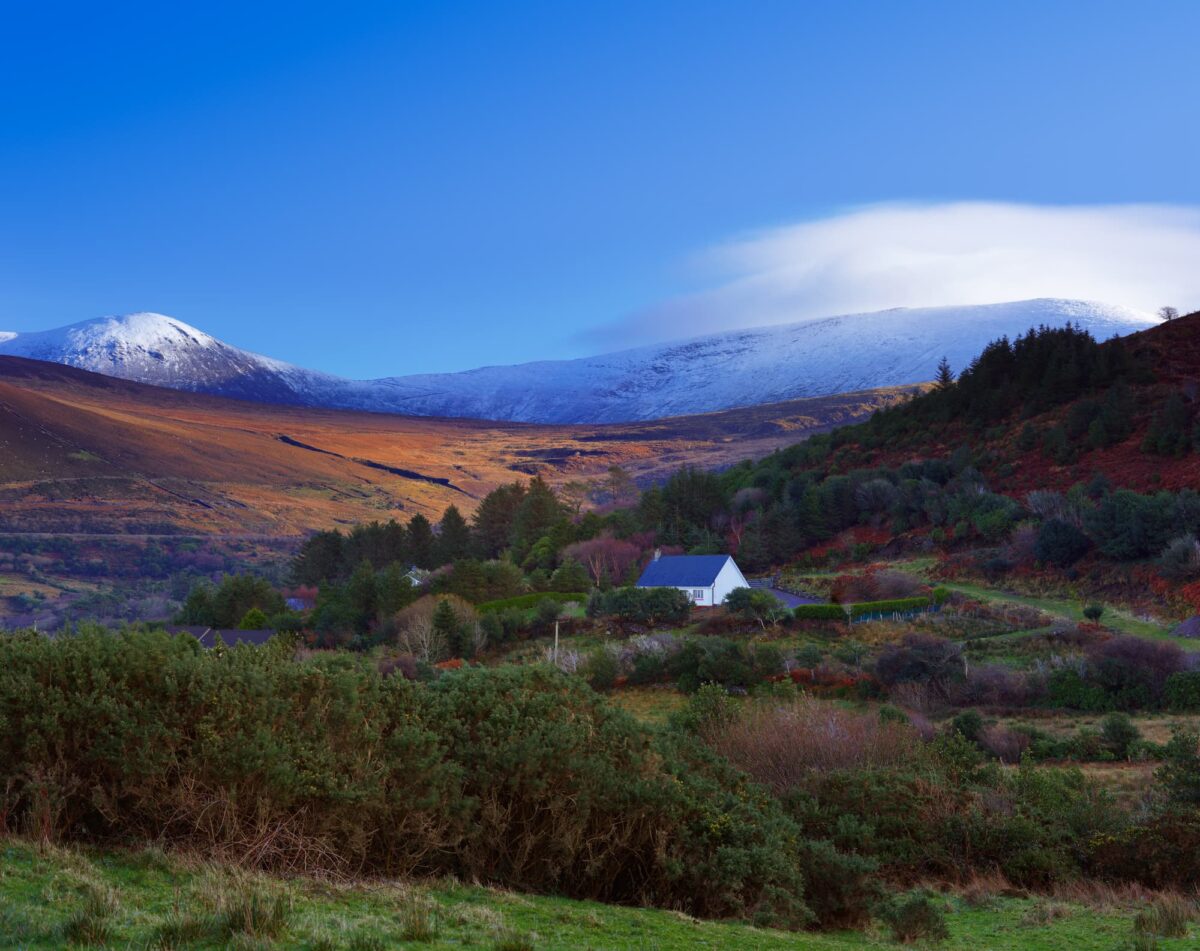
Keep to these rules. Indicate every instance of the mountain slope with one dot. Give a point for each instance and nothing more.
(1055, 414)
(82, 452)
(715, 372)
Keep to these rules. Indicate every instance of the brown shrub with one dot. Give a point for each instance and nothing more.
(1004, 744)
(403, 665)
(995, 686)
(874, 585)
(780, 745)
(1021, 549)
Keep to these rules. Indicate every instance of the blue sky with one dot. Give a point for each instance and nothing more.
(399, 187)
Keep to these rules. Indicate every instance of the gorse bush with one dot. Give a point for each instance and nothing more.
(522, 777)
(640, 605)
(915, 917)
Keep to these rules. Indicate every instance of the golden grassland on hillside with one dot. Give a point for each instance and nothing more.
(84, 453)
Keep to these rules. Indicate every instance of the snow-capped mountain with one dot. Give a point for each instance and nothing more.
(153, 348)
(704, 374)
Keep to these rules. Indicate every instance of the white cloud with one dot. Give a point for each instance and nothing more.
(924, 255)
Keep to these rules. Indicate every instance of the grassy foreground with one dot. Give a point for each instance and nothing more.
(52, 897)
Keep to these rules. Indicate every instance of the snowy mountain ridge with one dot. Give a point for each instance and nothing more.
(704, 374)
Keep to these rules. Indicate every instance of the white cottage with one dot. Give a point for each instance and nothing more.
(706, 579)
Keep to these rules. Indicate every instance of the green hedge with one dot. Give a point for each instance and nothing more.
(818, 612)
(523, 602)
(837, 612)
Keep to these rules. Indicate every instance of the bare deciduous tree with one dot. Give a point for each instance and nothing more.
(1168, 313)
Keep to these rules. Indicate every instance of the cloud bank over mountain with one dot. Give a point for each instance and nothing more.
(926, 255)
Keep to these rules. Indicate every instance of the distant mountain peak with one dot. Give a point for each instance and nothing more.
(745, 367)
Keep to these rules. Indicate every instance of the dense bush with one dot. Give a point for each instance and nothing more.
(230, 601)
(943, 815)
(522, 777)
(1181, 691)
(1180, 560)
(915, 917)
(1134, 670)
(1121, 673)
(754, 604)
(1127, 525)
(1161, 851)
(644, 606)
(1060, 543)
(524, 602)
(718, 660)
(919, 658)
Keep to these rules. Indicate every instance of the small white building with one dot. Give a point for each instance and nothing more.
(706, 579)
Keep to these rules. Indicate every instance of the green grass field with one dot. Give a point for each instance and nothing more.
(54, 897)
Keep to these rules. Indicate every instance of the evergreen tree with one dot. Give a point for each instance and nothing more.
(361, 598)
(253, 620)
(1170, 431)
(394, 590)
(539, 514)
(421, 542)
(198, 606)
(492, 524)
(945, 376)
(454, 537)
(448, 628)
(570, 576)
(319, 559)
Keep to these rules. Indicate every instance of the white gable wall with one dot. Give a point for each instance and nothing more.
(728, 578)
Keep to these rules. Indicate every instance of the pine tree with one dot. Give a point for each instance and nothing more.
(540, 512)
(361, 597)
(420, 542)
(447, 627)
(394, 589)
(945, 376)
(492, 523)
(570, 576)
(454, 537)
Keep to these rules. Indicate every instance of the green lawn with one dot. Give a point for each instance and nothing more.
(147, 900)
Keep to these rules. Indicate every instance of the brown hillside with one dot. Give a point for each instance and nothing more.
(80, 452)
(1171, 351)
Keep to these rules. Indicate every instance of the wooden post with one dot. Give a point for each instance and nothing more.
(556, 642)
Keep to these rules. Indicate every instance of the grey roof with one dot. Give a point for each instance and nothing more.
(208, 636)
(682, 571)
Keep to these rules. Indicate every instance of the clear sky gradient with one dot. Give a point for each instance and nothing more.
(372, 189)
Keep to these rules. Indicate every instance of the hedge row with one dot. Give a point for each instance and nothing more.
(522, 602)
(838, 612)
(518, 776)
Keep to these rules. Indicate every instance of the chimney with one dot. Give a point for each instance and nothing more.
(657, 554)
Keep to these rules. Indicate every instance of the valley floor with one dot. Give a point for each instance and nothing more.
(52, 897)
